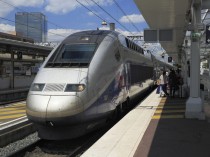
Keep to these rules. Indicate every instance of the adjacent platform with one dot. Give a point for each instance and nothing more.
(12, 111)
(14, 124)
(155, 128)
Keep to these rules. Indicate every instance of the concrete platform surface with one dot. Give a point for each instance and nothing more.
(175, 136)
(122, 140)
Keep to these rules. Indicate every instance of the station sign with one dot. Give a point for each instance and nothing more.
(207, 34)
(158, 35)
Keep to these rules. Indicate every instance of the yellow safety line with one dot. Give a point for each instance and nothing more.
(13, 106)
(167, 116)
(11, 116)
(17, 105)
(175, 101)
(176, 108)
(12, 109)
(170, 103)
(169, 111)
(168, 107)
(17, 111)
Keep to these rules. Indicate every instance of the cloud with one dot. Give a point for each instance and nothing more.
(53, 6)
(8, 5)
(6, 28)
(65, 6)
(26, 3)
(135, 18)
(90, 13)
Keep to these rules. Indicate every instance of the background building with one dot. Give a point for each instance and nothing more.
(31, 25)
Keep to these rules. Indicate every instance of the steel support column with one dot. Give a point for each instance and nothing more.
(209, 66)
(194, 102)
(12, 76)
(184, 75)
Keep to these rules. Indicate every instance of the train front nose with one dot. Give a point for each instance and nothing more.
(55, 110)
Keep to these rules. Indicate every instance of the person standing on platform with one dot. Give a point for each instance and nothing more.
(163, 83)
(172, 82)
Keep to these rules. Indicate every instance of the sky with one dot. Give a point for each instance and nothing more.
(65, 17)
(68, 16)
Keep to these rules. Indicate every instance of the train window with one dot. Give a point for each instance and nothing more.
(127, 42)
(73, 53)
(123, 40)
(83, 52)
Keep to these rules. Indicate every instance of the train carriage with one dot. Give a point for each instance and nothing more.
(84, 81)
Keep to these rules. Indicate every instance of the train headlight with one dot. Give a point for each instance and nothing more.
(37, 87)
(75, 87)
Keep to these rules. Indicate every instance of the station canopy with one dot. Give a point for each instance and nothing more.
(174, 15)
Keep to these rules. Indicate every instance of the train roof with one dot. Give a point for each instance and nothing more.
(89, 36)
(96, 32)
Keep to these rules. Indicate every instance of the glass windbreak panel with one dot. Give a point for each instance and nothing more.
(72, 55)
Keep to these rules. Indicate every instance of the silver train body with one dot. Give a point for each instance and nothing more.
(84, 81)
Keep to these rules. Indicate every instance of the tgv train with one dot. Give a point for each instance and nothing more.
(86, 80)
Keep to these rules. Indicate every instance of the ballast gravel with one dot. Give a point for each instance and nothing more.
(12, 147)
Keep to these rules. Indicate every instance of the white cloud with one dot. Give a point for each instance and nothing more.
(26, 3)
(7, 6)
(53, 6)
(65, 6)
(6, 28)
(135, 18)
(90, 13)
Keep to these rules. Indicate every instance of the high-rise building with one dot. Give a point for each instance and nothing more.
(31, 25)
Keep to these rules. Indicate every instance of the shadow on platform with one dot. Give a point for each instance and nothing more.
(169, 134)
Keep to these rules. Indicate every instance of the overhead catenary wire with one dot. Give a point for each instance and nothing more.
(91, 11)
(94, 13)
(126, 15)
(94, 10)
(111, 16)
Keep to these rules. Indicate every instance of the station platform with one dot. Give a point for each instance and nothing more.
(12, 112)
(14, 124)
(155, 128)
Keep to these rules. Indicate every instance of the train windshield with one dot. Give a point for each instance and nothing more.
(72, 55)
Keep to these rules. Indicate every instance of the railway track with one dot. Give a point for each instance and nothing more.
(70, 148)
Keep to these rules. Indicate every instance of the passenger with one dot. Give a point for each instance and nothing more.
(159, 87)
(179, 77)
(179, 81)
(173, 82)
(163, 83)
